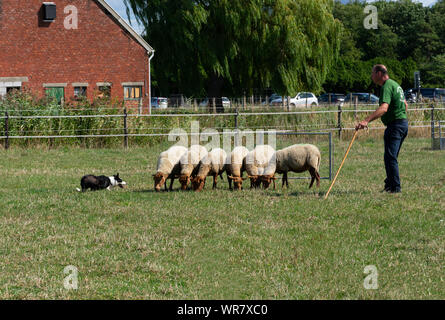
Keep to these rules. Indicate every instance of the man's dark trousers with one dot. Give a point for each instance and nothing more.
(395, 134)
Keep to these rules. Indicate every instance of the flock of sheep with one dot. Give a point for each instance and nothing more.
(194, 164)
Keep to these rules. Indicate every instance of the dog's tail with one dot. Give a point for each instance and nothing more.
(78, 189)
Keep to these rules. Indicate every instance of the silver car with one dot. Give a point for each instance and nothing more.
(159, 103)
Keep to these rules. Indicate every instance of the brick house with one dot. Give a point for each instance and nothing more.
(68, 48)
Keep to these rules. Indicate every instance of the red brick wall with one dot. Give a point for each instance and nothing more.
(100, 50)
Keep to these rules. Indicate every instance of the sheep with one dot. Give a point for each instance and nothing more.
(236, 167)
(189, 164)
(168, 167)
(260, 166)
(213, 164)
(299, 158)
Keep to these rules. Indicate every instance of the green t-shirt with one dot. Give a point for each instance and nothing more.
(392, 94)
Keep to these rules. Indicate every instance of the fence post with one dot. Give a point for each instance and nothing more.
(244, 100)
(339, 121)
(125, 129)
(236, 118)
(433, 133)
(355, 107)
(6, 130)
(331, 156)
(214, 104)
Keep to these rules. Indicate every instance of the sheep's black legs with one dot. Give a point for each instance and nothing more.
(284, 181)
(230, 182)
(315, 176)
(215, 178)
(171, 184)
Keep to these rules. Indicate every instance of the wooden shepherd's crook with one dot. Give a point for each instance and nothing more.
(338, 171)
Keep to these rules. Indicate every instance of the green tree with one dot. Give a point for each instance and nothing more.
(231, 46)
(434, 72)
(437, 19)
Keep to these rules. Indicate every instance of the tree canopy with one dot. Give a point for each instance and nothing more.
(409, 37)
(235, 46)
(231, 47)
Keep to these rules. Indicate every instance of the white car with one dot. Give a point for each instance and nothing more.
(159, 103)
(302, 99)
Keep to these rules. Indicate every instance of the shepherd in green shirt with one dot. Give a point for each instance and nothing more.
(392, 110)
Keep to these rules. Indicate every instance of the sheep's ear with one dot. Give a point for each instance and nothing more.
(231, 177)
(244, 178)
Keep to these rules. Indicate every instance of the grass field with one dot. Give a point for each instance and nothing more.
(254, 244)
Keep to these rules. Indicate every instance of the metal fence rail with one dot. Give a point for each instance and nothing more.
(328, 127)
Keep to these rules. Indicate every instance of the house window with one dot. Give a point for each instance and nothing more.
(80, 92)
(132, 93)
(58, 93)
(49, 11)
(104, 92)
(12, 89)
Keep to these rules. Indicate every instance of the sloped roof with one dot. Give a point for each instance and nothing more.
(125, 25)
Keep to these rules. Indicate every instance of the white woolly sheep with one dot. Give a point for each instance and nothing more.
(213, 165)
(299, 158)
(189, 164)
(236, 167)
(260, 166)
(168, 166)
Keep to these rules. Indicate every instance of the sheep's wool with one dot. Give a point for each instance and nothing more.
(168, 159)
(261, 161)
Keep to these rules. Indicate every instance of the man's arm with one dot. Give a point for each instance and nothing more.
(375, 115)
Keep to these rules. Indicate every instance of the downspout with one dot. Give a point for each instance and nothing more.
(150, 56)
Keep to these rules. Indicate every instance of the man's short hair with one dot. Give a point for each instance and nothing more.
(380, 68)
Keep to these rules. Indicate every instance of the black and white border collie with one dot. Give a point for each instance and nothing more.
(100, 182)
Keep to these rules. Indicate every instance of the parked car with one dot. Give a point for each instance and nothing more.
(159, 103)
(431, 93)
(302, 99)
(363, 97)
(335, 98)
(225, 102)
(272, 97)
